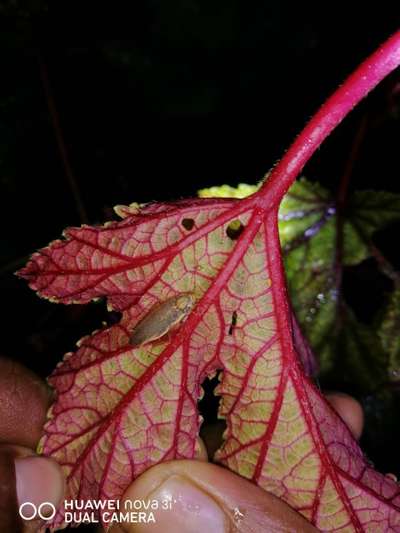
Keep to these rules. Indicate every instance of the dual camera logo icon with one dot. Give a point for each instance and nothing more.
(30, 511)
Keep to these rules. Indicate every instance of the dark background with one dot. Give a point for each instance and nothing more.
(196, 93)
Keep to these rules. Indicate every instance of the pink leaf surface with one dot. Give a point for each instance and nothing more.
(120, 409)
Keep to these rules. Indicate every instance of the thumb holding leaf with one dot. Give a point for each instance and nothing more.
(204, 497)
(24, 477)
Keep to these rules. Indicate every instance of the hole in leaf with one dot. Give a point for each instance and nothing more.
(233, 322)
(212, 428)
(114, 317)
(234, 229)
(208, 405)
(188, 223)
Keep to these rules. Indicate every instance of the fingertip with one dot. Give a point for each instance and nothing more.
(201, 453)
(349, 409)
(204, 496)
(38, 480)
(183, 506)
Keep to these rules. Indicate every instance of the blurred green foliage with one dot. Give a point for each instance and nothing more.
(389, 332)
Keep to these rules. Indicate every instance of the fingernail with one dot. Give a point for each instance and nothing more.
(38, 480)
(190, 508)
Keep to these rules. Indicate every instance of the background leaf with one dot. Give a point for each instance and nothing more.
(389, 332)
